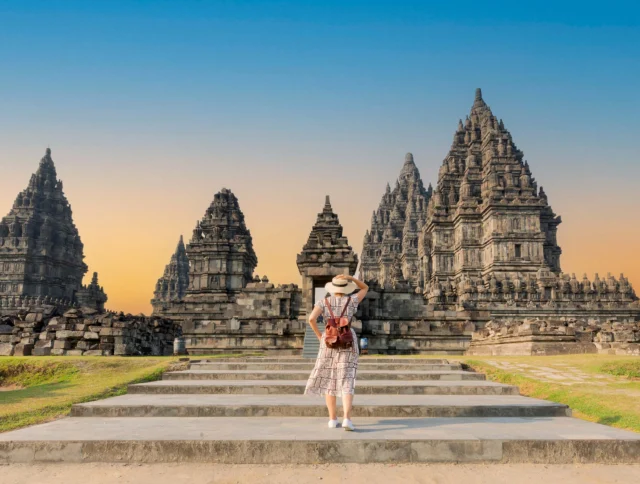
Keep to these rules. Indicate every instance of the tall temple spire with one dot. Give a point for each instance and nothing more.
(173, 284)
(395, 228)
(484, 176)
(46, 256)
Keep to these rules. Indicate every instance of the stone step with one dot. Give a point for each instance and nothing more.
(438, 406)
(296, 387)
(311, 343)
(307, 440)
(301, 375)
(298, 359)
(362, 365)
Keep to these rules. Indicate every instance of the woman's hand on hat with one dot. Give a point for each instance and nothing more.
(344, 276)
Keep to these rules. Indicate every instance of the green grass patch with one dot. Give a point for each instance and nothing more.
(38, 389)
(613, 403)
(629, 369)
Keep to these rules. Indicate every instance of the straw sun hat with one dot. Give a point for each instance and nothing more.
(341, 286)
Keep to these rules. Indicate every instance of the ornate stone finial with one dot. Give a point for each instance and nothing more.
(478, 94)
(543, 195)
(408, 158)
(327, 204)
(48, 152)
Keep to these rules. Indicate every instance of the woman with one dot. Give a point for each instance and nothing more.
(335, 370)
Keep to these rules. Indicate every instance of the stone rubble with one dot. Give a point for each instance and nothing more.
(48, 330)
(611, 337)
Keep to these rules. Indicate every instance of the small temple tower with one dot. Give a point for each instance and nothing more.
(172, 286)
(326, 254)
(220, 253)
(395, 230)
(41, 254)
(93, 295)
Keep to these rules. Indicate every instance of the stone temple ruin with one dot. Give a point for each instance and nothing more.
(44, 308)
(472, 265)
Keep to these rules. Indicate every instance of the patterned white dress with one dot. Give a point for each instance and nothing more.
(335, 369)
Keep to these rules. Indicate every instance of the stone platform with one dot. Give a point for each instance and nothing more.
(414, 410)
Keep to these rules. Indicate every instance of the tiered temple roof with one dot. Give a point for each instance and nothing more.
(326, 242)
(395, 230)
(41, 254)
(220, 252)
(487, 216)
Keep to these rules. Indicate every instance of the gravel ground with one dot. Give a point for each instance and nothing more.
(347, 473)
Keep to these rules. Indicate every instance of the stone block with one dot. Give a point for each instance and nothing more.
(23, 350)
(91, 335)
(62, 344)
(93, 353)
(82, 345)
(121, 350)
(58, 352)
(624, 336)
(75, 352)
(41, 351)
(6, 349)
(69, 334)
(33, 318)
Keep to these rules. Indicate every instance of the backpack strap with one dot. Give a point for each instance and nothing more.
(344, 310)
(328, 306)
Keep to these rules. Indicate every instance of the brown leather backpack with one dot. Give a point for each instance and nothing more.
(338, 330)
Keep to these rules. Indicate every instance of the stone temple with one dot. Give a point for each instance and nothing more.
(41, 254)
(472, 265)
(444, 266)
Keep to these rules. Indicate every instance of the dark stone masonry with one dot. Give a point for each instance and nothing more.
(472, 265)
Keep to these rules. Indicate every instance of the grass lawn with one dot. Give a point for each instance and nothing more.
(37, 389)
(599, 388)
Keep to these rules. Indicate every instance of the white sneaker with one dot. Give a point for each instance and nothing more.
(348, 425)
(333, 424)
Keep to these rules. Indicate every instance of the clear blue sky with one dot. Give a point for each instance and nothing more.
(177, 99)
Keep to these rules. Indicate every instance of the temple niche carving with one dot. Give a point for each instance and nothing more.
(41, 254)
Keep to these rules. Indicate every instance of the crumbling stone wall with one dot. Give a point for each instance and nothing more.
(49, 330)
(547, 337)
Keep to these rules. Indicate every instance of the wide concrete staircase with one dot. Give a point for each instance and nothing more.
(252, 410)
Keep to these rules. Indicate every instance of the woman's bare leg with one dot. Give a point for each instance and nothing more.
(347, 403)
(331, 406)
